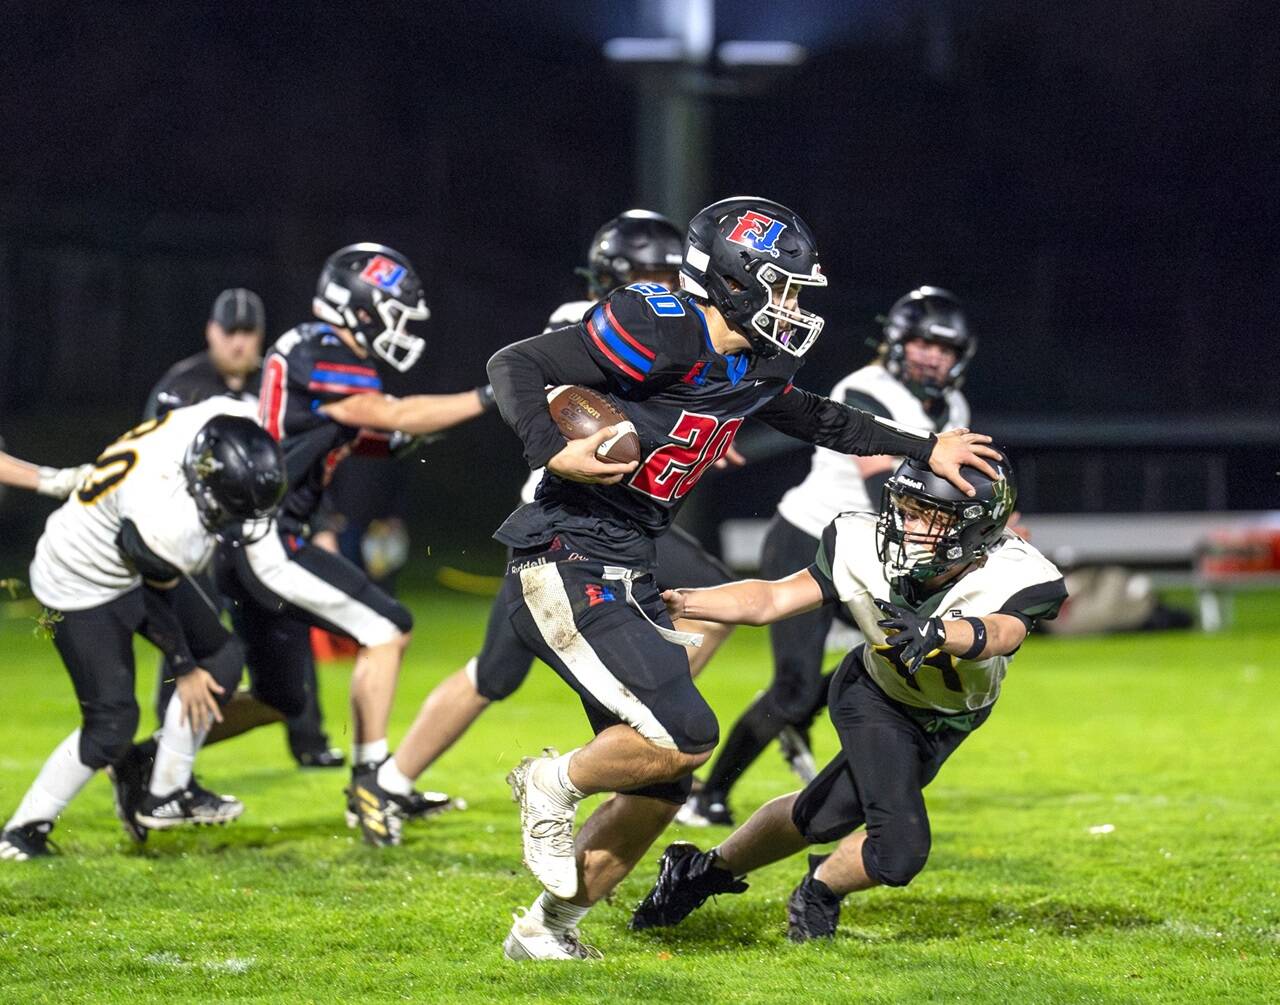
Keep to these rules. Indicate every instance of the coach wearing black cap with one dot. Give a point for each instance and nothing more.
(232, 363)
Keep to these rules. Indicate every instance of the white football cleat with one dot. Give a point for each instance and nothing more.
(530, 940)
(546, 824)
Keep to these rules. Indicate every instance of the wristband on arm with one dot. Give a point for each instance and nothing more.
(979, 639)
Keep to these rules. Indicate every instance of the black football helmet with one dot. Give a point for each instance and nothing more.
(636, 242)
(927, 526)
(750, 258)
(235, 472)
(932, 314)
(374, 291)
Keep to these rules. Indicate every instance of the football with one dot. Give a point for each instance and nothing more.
(580, 412)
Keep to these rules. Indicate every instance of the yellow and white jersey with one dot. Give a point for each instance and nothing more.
(78, 564)
(1013, 579)
(834, 485)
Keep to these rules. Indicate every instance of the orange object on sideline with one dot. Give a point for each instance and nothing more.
(328, 648)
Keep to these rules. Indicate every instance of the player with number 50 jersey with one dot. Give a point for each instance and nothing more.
(687, 368)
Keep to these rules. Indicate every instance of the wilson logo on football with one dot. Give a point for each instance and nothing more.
(758, 232)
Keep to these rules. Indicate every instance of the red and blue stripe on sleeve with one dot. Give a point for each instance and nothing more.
(344, 378)
(632, 358)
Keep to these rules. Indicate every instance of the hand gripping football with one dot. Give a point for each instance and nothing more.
(580, 412)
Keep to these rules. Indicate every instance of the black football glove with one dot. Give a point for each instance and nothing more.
(918, 636)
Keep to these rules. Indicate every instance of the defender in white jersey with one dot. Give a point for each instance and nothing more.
(915, 381)
(945, 594)
(117, 559)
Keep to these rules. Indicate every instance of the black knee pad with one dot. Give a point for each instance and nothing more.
(669, 792)
(894, 859)
(695, 730)
(226, 665)
(107, 733)
(288, 697)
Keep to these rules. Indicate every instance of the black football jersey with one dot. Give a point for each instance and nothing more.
(309, 366)
(192, 381)
(656, 362)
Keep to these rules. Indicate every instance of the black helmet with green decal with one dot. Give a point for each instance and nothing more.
(928, 527)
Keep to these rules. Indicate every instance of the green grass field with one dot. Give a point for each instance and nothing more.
(1111, 834)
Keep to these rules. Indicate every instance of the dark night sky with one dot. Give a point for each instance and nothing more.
(1098, 181)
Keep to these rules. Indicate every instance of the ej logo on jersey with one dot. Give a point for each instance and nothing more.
(598, 594)
(758, 232)
(383, 273)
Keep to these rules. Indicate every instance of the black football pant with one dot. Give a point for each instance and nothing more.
(96, 646)
(286, 684)
(504, 661)
(580, 619)
(889, 753)
(798, 689)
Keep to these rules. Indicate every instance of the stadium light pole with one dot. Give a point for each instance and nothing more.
(675, 73)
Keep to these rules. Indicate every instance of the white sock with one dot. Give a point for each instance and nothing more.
(62, 776)
(176, 751)
(370, 753)
(557, 915)
(391, 778)
(561, 768)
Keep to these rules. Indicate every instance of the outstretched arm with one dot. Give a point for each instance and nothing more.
(748, 601)
(828, 423)
(56, 482)
(418, 414)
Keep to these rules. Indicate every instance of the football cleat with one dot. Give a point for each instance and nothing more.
(813, 911)
(129, 780)
(418, 805)
(686, 878)
(18, 844)
(377, 812)
(546, 824)
(194, 805)
(321, 757)
(704, 810)
(794, 745)
(530, 940)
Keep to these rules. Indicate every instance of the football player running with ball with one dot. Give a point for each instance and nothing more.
(687, 369)
(117, 559)
(637, 246)
(945, 594)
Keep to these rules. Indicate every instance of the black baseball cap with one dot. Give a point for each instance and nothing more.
(239, 309)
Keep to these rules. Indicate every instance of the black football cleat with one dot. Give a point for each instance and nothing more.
(377, 812)
(813, 911)
(194, 805)
(28, 841)
(686, 878)
(321, 757)
(130, 777)
(420, 805)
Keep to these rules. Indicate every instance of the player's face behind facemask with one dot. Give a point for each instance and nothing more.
(928, 364)
(918, 536)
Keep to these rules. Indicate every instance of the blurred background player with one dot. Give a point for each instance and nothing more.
(687, 369)
(115, 560)
(915, 380)
(321, 392)
(232, 365)
(944, 595)
(637, 246)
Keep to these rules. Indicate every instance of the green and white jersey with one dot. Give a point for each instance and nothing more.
(1014, 579)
